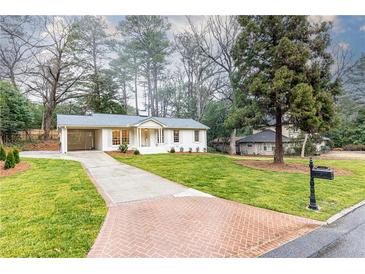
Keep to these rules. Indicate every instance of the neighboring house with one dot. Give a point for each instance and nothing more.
(261, 143)
(105, 132)
(222, 144)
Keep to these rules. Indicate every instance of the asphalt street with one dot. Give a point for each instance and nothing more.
(344, 238)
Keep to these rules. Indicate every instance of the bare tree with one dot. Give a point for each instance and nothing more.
(57, 71)
(216, 38)
(17, 40)
(202, 74)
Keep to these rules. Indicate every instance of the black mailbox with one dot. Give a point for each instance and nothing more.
(323, 172)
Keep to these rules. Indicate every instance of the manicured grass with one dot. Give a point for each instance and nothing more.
(285, 192)
(50, 210)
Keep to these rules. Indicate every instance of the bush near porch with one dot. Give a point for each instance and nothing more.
(281, 191)
(50, 210)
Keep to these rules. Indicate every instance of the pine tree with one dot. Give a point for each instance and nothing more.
(283, 70)
(10, 161)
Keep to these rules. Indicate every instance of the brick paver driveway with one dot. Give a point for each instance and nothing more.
(152, 217)
(195, 227)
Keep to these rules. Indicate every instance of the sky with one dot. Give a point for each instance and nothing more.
(347, 31)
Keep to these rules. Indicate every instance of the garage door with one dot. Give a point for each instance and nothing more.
(80, 139)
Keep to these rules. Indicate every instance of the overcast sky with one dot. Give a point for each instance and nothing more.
(347, 30)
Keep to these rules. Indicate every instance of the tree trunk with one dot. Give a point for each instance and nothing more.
(135, 86)
(151, 110)
(279, 150)
(48, 121)
(303, 146)
(125, 96)
(232, 143)
(155, 89)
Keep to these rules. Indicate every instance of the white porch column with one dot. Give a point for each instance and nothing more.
(63, 140)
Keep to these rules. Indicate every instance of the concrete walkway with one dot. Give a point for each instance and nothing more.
(119, 182)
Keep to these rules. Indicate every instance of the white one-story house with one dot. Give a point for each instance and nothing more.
(105, 132)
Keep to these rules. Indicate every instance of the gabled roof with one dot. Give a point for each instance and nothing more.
(117, 120)
(266, 136)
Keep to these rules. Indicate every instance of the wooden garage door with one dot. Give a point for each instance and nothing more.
(80, 139)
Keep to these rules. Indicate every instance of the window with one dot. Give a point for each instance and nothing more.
(158, 136)
(265, 148)
(116, 137)
(125, 136)
(249, 145)
(176, 136)
(196, 135)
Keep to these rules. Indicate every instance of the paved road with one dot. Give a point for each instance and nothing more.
(344, 238)
(349, 245)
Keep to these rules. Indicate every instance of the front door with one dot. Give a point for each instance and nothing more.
(80, 139)
(145, 137)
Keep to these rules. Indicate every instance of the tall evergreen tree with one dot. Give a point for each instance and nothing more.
(283, 65)
(15, 113)
(148, 34)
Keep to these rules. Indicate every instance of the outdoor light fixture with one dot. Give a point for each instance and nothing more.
(320, 172)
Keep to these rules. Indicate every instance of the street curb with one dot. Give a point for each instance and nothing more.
(344, 212)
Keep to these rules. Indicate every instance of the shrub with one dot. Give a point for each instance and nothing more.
(172, 150)
(2, 153)
(197, 149)
(181, 149)
(16, 155)
(190, 150)
(136, 152)
(10, 161)
(123, 148)
(354, 147)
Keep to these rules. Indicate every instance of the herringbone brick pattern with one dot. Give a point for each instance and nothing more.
(194, 227)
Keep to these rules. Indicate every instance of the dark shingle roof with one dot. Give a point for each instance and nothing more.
(266, 136)
(116, 120)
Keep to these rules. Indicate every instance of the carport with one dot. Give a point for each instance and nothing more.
(80, 139)
(73, 139)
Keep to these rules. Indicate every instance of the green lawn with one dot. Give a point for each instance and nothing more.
(50, 210)
(281, 191)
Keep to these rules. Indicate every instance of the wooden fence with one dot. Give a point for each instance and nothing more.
(37, 134)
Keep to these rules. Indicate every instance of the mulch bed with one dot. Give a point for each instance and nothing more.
(22, 166)
(286, 167)
(51, 145)
(118, 153)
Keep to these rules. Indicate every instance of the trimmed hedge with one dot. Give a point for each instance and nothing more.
(16, 156)
(2, 153)
(10, 161)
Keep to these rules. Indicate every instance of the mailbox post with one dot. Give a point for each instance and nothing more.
(312, 197)
(320, 172)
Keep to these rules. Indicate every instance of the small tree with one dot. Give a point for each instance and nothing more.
(10, 161)
(2, 153)
(16, 155)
